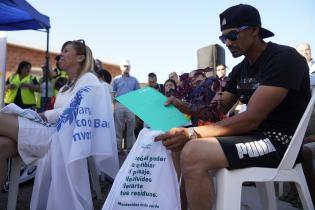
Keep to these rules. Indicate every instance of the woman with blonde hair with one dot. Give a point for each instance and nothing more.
(20, 135)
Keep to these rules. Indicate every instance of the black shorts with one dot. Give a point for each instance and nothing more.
(252, 150)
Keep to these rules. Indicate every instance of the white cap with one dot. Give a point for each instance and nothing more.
(124, 62)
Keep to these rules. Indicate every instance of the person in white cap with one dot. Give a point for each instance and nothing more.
(309, 142)
(121, 85)
(272, 80)
(305, 50)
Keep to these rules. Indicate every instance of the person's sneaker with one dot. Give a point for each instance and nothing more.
(109, 179)
(27, 173)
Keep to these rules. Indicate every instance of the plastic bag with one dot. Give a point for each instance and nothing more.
(147, 179)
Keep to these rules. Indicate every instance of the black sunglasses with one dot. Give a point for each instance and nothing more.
(232, 35)
(83, 43)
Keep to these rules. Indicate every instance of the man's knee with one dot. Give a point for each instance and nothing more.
(190, 161)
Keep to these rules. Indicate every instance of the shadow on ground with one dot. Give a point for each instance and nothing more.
(25, 193)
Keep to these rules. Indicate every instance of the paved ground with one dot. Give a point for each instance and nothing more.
(250, 199)
(25, 192)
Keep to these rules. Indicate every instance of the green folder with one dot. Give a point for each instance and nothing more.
(148, 104)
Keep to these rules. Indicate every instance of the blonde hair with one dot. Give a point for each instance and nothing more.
(87, 65)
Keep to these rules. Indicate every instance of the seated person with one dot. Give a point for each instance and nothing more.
(170, 88)
(107, 77)
(309, 142)
(202, 95)
(173, 75)
(221, 75)
(152, 82)
(76, 58)
(272, 80)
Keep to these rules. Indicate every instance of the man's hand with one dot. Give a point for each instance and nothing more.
(182, 106)
(175, 139)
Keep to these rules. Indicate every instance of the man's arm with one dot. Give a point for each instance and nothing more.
(228, 101)
(262, 102)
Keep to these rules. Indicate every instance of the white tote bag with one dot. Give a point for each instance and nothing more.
(147, 179)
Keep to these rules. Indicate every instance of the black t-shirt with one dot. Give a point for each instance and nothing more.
(278, 66)
(159, 87)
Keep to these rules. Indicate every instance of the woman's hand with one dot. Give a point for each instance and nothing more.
(42, 115)
(175, 139)
(11, 86)
(25, 85)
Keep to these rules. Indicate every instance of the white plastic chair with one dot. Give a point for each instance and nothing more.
(14, 182)
(15, 175)
(229, 183)
(95, 182)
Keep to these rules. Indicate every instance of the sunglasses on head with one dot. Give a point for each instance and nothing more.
(81, 41)
(232, 35)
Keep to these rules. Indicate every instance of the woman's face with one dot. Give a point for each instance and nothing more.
(168, 86)
(197, 80)
(220, 71)
(69, 60)
(26, 70)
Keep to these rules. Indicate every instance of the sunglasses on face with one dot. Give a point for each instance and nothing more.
(81, 41)
(232, 35)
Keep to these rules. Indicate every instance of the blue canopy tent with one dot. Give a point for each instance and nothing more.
(20, 15)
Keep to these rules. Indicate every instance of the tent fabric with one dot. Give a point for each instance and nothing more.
(20, 15)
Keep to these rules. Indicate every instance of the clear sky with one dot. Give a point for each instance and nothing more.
(160, 36)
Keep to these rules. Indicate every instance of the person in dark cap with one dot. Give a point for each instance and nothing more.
(152, 82)
(272, 80)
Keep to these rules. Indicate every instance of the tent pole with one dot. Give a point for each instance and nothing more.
(46, 71)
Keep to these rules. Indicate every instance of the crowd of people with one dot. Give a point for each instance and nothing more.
(272, 81)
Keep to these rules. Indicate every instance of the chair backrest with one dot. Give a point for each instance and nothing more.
(290, 155)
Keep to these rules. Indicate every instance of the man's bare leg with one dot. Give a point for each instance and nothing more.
(197, 158)
(176, 159)
(183, 198)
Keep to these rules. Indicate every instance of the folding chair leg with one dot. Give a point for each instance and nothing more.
(14, 182)
(94, 178)
(267, 194)
(303, 191)
(281, 188)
